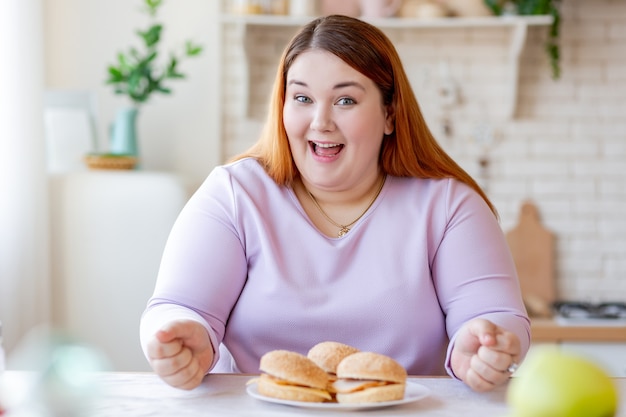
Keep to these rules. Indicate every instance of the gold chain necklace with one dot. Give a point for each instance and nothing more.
(345, 228)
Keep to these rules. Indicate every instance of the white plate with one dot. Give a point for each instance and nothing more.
(412, 393)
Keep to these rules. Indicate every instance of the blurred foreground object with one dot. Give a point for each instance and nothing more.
(58, 378)
(560, 384)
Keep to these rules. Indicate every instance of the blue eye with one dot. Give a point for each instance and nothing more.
(302, 99)
(345, 101)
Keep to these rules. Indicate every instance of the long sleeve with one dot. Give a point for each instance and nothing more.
(474, 249)
(245, 260)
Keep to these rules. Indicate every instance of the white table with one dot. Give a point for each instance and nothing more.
(144, 394)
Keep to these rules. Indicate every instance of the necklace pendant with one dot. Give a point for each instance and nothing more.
(344, 231)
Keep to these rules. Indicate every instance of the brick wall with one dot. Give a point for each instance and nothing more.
(565, 149)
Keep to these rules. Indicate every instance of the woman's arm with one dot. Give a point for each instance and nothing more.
(202, 272)
(479, 292)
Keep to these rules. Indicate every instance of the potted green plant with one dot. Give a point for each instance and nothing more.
(141, 73)
(536, 7)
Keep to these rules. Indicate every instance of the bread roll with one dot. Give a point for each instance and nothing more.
(327, 355)
(292, 376)
(365, 377)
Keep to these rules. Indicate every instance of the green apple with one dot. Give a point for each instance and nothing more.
(560, 384)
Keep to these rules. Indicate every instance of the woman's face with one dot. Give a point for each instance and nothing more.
(335, 121)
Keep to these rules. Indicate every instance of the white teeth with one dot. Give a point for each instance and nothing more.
(326, 145)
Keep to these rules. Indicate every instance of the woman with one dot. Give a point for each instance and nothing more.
(347, 222)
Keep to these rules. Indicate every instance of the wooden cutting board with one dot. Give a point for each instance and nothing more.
(532, 246)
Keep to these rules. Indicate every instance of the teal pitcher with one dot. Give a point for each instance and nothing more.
(124, 132)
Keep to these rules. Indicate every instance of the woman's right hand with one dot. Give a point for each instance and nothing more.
(181, 353)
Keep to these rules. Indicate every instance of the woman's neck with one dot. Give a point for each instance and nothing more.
(334, 212)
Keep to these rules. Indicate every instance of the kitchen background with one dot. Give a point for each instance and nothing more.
(563, 148)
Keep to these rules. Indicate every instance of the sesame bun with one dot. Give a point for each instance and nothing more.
(292, 376)
(369, 365)
(369, 377)
(327, 355)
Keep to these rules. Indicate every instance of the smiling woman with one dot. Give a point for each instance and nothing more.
(398, 250)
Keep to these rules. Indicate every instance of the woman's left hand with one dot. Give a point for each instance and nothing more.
(483, 354)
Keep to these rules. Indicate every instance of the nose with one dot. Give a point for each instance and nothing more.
(322, 119)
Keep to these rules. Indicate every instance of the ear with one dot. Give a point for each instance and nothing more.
(390, 120)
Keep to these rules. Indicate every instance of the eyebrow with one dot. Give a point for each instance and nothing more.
(335, 87)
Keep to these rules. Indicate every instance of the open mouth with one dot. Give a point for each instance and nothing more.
(326, 149)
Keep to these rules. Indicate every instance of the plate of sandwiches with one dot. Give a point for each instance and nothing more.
(333, 376)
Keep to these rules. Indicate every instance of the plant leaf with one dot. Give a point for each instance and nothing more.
(153, 5)
(138, 73)
(152, 36)
(115, 74)
(495, 6)
(192, 50)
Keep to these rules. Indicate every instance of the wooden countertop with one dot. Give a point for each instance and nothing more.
(548, 330)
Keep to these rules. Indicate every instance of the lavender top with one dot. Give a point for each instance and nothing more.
(244, 259)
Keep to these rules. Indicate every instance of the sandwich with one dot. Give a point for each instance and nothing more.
(366, 377)
(327, 355)
(292, 376)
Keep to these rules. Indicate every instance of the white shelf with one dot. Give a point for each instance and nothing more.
(517, 24)
(395, 22)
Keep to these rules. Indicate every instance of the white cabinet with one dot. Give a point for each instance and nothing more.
(610, 355)
(108, 232)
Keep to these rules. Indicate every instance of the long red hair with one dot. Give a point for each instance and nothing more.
(410, 151)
